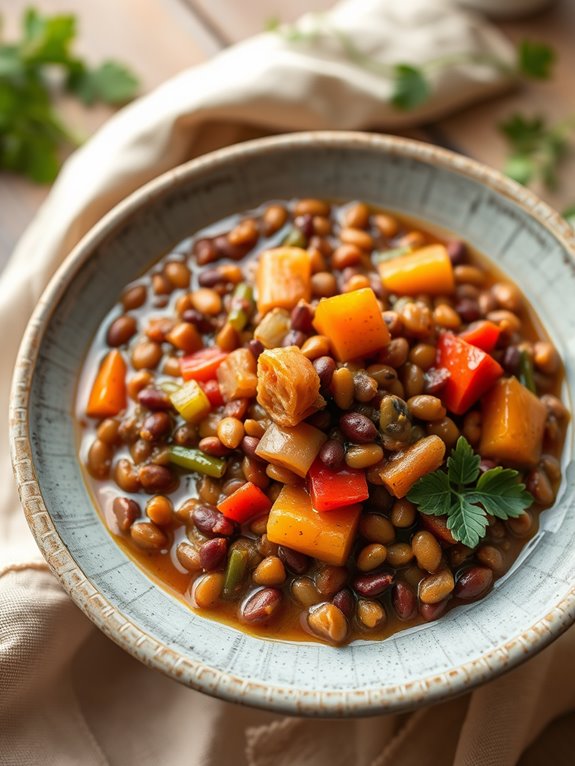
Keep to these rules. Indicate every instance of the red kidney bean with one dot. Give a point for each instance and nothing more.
(486, 464)
(294, 338)
(434, 380)
(256, 347)
(431, 612)
(302, 318)
(404, 600)
(325, 367)
(205, 251)
(200, 322)
(457, 251)
(211, 278)
(154, 400)
(157, 478)
(226, 249)
(358, 428)
(249, 445)
(305, 224)
(296, 562)
(211, 522)
(473, 582)
(344, 601)
(155, 426)
(213, 553)
(126, 512)
(121, 330)
(468, 309)
(511, 360)
(373, 584)
(261, 607)
(211, 445)
(332, 454)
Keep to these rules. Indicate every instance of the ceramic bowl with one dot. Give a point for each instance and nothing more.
(526, 610)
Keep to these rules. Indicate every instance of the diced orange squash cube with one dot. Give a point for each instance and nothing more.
(353, 323)
(401, 472)
(326, 536)
(283, 278)
(427, 270)
(293, 448)
(513, 424)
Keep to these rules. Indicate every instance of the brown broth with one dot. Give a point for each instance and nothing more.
(164, 569)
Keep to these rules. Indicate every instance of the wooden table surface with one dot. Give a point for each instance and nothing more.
(159, 38)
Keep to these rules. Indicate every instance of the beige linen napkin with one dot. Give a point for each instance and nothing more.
(67, 694)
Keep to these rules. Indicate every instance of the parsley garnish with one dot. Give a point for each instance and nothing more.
(536, 148)
(32, 70)
(466, 498)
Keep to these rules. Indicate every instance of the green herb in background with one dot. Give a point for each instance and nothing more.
(411, 85)
(466, 498)
(32, 71)
(536, 148)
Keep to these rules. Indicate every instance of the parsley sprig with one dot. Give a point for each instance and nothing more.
(32, 70)
(412, 85)
(536, 148)
(468, 499)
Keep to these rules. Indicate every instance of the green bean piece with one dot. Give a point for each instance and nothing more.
(241, 307)
(235, 571)
(526, 371)
(294, 238)
(196, 460)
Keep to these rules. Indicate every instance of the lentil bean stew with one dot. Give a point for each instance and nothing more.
(257, 408)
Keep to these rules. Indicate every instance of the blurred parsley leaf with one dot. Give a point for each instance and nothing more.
(535, 60)
(535, 148)
(31, 133)
(110, 82)
(410, 87)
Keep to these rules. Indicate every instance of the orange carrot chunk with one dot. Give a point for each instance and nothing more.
(353, 323)
(283, 278)
(512, 425)
(401, 472)
(427, 270)
(326, 536)
(108, 394)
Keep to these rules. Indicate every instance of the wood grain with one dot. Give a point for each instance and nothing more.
(156, 39)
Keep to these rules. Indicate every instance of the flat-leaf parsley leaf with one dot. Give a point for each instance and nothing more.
(467, 498)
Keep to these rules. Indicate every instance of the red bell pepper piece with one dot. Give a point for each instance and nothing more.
(483, 334)
(472, 372)
(245, 503)
(211, 389)
(201, 365)
(334, 489)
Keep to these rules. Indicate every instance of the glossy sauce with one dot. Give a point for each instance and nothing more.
(164, 569)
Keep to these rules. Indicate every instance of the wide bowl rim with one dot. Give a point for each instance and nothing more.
(108, 617)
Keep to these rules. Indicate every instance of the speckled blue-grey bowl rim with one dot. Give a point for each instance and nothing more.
(107, 616)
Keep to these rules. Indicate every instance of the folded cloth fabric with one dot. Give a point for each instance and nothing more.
(68, 695)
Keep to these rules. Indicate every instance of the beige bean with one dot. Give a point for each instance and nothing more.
(427, 550)
(328, 623)
(270, 571)
(436, 587)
